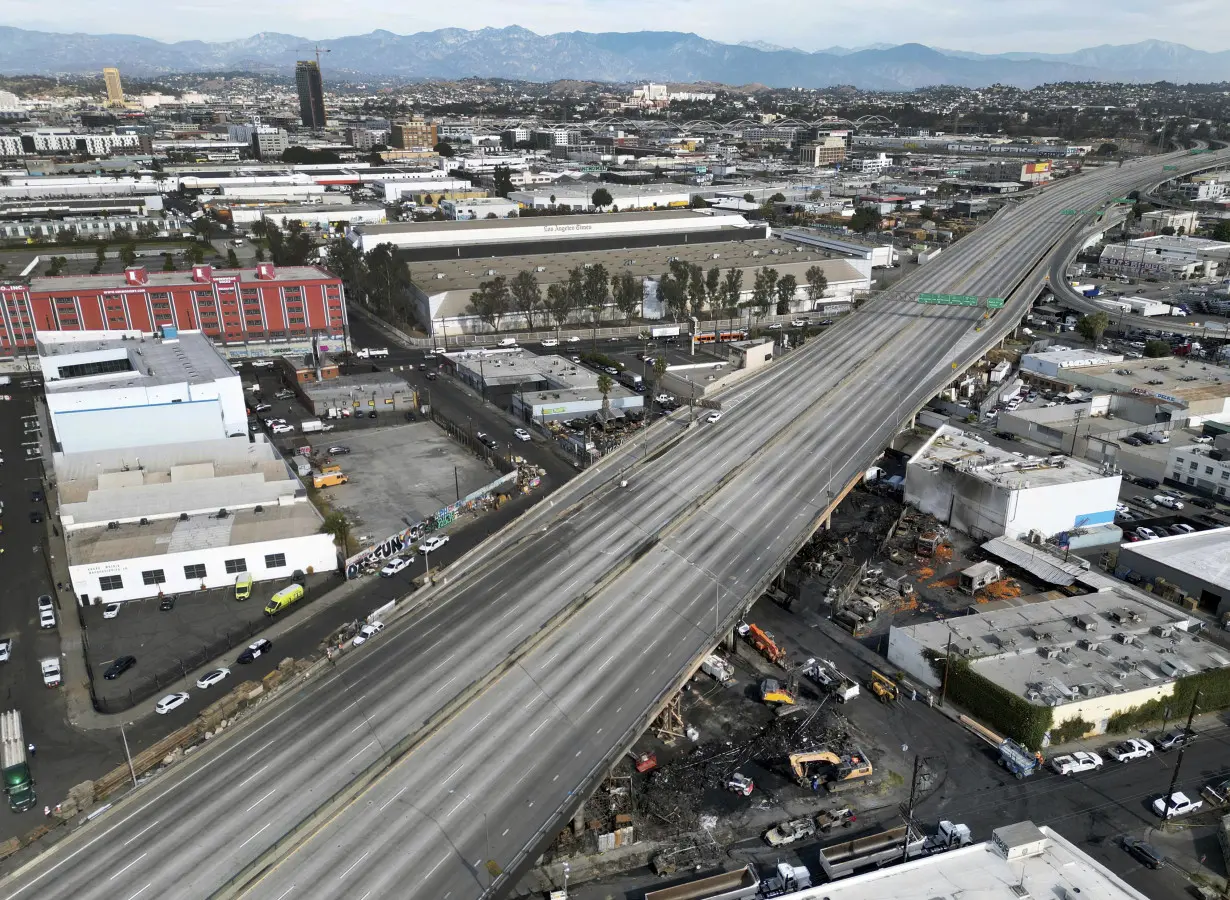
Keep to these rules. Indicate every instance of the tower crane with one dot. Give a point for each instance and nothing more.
(318, 50)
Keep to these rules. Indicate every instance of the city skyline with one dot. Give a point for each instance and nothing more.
(984, 26)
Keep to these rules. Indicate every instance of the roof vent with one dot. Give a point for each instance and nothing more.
(112, 526)
(222, 514)
(143, 521)
(183, 517)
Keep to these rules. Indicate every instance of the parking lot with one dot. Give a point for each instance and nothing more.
(169, 644)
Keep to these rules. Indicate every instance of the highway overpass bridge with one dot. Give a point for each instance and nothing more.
(438, 762)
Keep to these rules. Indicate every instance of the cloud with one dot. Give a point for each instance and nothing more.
(985, 26)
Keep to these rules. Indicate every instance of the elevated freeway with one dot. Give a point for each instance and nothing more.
(437, 762)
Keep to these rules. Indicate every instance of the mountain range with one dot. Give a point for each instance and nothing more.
(518, 53)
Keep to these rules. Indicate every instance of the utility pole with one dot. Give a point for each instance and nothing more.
(947, 662)
(1076, 429)
(1174, 779)
(909, 810)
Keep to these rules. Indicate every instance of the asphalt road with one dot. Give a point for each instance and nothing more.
(699, 528)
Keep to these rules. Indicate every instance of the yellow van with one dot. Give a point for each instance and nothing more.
(330, 469)
(243, 586)
(283, 599)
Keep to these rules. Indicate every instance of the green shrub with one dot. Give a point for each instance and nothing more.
(1071, 730)
(998, 707)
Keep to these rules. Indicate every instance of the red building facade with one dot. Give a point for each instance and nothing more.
(266, 304)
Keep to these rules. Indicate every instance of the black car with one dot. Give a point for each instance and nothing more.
(1203, 503)
(431, 376)
(121, 665)
(1149, 483)
(36, 496)
(1144, 852)
(372, 414)
(1172, 740)
(255, 649)
(1005, 435)
(36, 517)
(166, 603)
(1133, 441)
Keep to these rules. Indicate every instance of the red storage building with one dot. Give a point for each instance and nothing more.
(232, 306)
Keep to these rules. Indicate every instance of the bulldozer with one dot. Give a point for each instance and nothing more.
(763, 641)
(883, 687)
(839, 770)
(773, 691)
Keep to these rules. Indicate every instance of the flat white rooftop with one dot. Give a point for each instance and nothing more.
(1204, 555)
(90, 361)
(953, 447)
(1075, 357)
(1038, 863)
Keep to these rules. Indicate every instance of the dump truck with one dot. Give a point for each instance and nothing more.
(874, 850)
(741, 884)
(18, 782)
(838, 772)
(833, 681)
(773, 691)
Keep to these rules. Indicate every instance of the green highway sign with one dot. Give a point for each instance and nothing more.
(948, 299)
(1198, 152)
(1122, 200)
(1170, 168)
(995, 302)
(1067, 212)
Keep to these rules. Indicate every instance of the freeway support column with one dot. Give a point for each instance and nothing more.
(578, 820)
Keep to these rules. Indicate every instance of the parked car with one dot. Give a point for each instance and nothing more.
(1133, 442)
(550, 342)
(1179, 737)
(1182, 528)
(433, 543)
(1150, 484)
(1169, 502)
(255, 650)
(6, 649)
(111, 610)
(1134, 748)
(789, 832)
(1203, 503)
(393, 566)
(283, 395)
(262, 407)
(1074, 763)
(119, 666)
(521, 434)
(170, 702)
(368, 632)
(1146, 533)
(209, 679)
(797, 323)
(46, 618)
(35, 517)
(1144, 852)
(338, 450)
(167, 603)
(1177, 804)
(282, 429)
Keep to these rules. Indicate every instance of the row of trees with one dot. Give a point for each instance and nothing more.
(378, 278)
(685, 289)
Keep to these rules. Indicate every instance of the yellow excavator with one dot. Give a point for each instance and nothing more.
(773, 691)
(839, 771)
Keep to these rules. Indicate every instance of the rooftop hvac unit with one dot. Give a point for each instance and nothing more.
(111, 526)
(491, 271)
(222, 514)
(1124, 638)
(143, 521)
(1163, 631)
(259, 509)
(183, 517)
(1086, 644)
(439, 276)
(714, 255)
(1050, 652)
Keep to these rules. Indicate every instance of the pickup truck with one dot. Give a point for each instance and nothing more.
(1178, 804)
(1073, 763)
(1217, 793)
(1134, 748)
(789, 832)
(51, 671)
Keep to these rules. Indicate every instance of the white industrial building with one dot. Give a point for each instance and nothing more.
(479, 208)
(984, 491)
(1165, 256)
(1017, 862)
(580, 196)
(108, 390)
(1087, 657)
(177, 518)
(1183, 221)
(1196, 565)
(312, 215)
(1200, 468)
(1051, 362)
(880, 255)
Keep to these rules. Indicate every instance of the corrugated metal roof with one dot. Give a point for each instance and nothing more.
(1034, 560)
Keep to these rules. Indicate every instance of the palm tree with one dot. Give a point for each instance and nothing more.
(338, 525)
(604, 388)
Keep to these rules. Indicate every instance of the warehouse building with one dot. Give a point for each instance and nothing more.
(1196, 565)
(1087, 657)
(1165, 256)
(329, 217)
(145, 521)
(1017, 862)
(106, 390)
(1050, 363)
(580, 196)
(420, 241)
(246, 309)
(441, 289)
(987, 492)
(362, 394)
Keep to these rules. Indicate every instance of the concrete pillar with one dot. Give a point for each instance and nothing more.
(578, 820)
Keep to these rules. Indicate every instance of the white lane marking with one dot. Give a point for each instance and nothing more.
(433, 868)
(261, 747)
(127, 867)
(449, 776)
(540, 727)
(391, 799)
(263, 827)
(480, 722)
(360, 750)
(141, 832)
(261, 800)
(443, 686)
(505, 834)
(286, 893)
(357, 727)
(140, 892)
(350, 868)
(253, 775)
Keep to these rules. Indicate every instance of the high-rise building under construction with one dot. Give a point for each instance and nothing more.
(115, 90)
(311, 94)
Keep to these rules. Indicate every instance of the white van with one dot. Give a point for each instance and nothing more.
(507, 342)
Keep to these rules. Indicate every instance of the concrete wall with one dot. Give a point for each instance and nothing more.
(315, 551)
(105, 429)
(1060, 507)
(1098, 710)
(907, 654)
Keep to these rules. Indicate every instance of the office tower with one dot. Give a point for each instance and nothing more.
(311, 94)
(115, 90)
(417, 134)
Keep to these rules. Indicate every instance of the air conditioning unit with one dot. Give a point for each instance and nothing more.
(222, 514)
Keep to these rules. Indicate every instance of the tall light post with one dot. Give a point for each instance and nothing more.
(486, 828)
(131, 771)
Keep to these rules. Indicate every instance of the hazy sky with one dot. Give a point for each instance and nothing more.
(989, 26)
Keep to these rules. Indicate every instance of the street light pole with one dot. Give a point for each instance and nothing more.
(127, 755)
(486, 827)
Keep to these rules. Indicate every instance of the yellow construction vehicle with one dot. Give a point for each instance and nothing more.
(883, 687)
(773, 691)
(837, 770)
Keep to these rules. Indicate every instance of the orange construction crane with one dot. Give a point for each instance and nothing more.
(763, 641)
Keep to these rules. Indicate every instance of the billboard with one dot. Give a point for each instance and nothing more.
(1035, 171)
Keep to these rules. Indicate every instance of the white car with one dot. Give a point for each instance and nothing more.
(550, 342)
(1203, 439)
(170, 702)
(1170, 502)
(45, 602)
(506, 342)
(440, 351)
(6, 649)
(713, 417)
(1135, 748)
(797, 323)
(1073, 763)
(369, 630)
(281, 429)
(433, 543)
(111, 610)
(1122, 507)
(664, 398)
(46, 618)
(394, 565)
(1179, 804)
(521, 434)
(209, 679)
(574, 340)
(775, 326)
(1146, 534)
